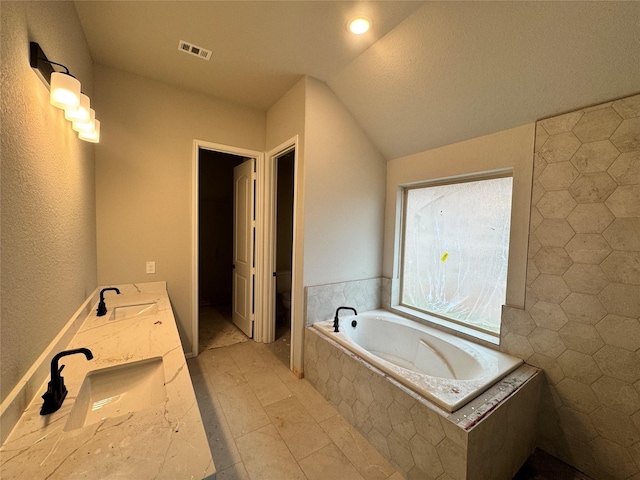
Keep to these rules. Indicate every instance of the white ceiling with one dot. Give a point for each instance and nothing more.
(427, 75)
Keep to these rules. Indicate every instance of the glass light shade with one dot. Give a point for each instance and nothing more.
(80, 114)
(359, 26)
(65, 91)
(87, 126)
(92, 136)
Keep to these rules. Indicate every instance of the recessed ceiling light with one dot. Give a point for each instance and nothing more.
(359, 26)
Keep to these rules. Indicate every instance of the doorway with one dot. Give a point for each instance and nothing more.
(284, 187)
(216, 248)
(265, 295)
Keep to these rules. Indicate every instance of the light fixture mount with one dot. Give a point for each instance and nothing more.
(38, 61)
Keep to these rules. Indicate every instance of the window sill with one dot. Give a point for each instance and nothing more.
(451, 327)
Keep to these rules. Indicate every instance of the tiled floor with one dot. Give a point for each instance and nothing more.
(264, 423)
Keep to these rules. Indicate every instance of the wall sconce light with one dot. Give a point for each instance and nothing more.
(66, 94)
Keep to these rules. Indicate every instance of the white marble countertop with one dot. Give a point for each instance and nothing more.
(166, 441)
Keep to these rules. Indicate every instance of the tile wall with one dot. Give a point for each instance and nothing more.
(419, 439)
(322, 300)
(581, 322)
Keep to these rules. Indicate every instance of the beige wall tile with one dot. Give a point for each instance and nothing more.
(624, 234)
(581, 337)
(560, 124)
(590, 218)
(588, 248)
(625, 201)
(579, 366)
(627, 137)
(628, 107)
(583, 278)
(617, 395)
(548, 315)
(558, 176)
(618, 363)
(595, 156)
(626, 169)
(620, 331)
(597, 125)
(592, 187)
(560, 147)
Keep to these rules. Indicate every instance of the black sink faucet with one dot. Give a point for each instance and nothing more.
(56, 391)
(102, 307)
(335, 319)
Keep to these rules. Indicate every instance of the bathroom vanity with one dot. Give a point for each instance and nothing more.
(130, 412)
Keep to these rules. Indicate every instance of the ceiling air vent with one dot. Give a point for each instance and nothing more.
(194, 50)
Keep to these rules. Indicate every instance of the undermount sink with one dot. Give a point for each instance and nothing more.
(114, 391)
(130, 311)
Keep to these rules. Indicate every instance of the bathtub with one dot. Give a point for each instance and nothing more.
(447, 370)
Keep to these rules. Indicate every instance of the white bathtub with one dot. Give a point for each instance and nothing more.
(447, 370)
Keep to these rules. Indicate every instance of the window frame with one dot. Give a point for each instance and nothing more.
(442, 320)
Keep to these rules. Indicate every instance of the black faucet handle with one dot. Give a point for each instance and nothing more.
(56, 389)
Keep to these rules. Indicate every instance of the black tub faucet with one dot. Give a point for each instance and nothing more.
(56, 390)
(335, 319)
(102, 307)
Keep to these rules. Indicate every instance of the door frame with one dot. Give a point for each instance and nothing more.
(260, 166)
(268, 317)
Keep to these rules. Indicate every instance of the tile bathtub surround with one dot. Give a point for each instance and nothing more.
(264, 423)
(163, 441)
(419, 439)
(581, 322)
(322, 300)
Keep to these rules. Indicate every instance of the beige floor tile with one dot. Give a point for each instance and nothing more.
(329, 463)
(267, 386)
(319, 408)
(367, 460)
(222, 371)
(221, 442)
(266, 456)
(297, 428)
(235, 472)
(246, 356)
(242, 410)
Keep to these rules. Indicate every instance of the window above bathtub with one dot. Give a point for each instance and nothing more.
(454, 250)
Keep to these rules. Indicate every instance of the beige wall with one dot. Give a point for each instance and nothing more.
(48, 252)
(582, 318)
(285, 121)
(144, 178)
(511, 148)
(340, 193)
(344, 193)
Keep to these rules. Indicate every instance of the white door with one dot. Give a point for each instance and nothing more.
(243, 246)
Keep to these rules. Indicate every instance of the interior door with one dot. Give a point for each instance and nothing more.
(243, 246)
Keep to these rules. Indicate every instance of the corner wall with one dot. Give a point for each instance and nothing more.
(144, 178)
(344, 193)
(48, 251)
(581, 323)
(339, 214)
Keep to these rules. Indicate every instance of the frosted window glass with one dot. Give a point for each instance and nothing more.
(456, 247)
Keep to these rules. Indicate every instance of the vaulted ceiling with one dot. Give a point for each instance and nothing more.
(426, 75)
